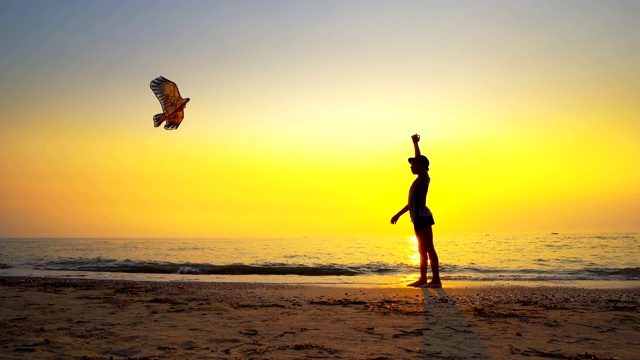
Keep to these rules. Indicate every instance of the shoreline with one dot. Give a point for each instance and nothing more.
(48, 318)
(330, 281)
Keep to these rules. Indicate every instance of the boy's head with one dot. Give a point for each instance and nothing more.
(425, 162)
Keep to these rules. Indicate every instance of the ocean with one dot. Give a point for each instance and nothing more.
(590, 260)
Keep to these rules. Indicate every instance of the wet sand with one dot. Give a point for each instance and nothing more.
(45, 318)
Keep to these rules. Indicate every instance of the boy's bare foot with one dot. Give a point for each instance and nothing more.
(418, 283)
(432, 285)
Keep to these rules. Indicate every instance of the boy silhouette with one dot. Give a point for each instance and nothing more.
(422, 218)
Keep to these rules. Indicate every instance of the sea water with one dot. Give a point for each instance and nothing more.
(587, 259)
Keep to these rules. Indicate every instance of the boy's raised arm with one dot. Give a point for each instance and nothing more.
(418, 156)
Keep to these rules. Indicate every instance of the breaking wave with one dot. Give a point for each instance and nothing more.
(450, 271)
(127, 266)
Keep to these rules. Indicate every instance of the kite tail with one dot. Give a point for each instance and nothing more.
(158, 119)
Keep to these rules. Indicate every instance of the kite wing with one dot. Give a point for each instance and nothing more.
(167, 93)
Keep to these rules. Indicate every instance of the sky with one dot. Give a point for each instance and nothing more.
(302, 112)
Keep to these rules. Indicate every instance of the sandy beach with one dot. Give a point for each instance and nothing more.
(101, 319)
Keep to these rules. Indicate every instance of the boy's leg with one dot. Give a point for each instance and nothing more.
(424, 258)
(426, 235)
(424, 261)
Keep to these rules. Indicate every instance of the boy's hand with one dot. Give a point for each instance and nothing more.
(415, 138)
(395, 218)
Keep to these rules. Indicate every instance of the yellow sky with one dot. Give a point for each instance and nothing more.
(301, 115)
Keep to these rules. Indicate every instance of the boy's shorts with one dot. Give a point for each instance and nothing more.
(422, 222)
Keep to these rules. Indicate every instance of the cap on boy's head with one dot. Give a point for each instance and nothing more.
(425, 162)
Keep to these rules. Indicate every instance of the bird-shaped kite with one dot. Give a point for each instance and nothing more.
(172, 103)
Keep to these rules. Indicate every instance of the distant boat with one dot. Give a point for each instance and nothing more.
(554, 233)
